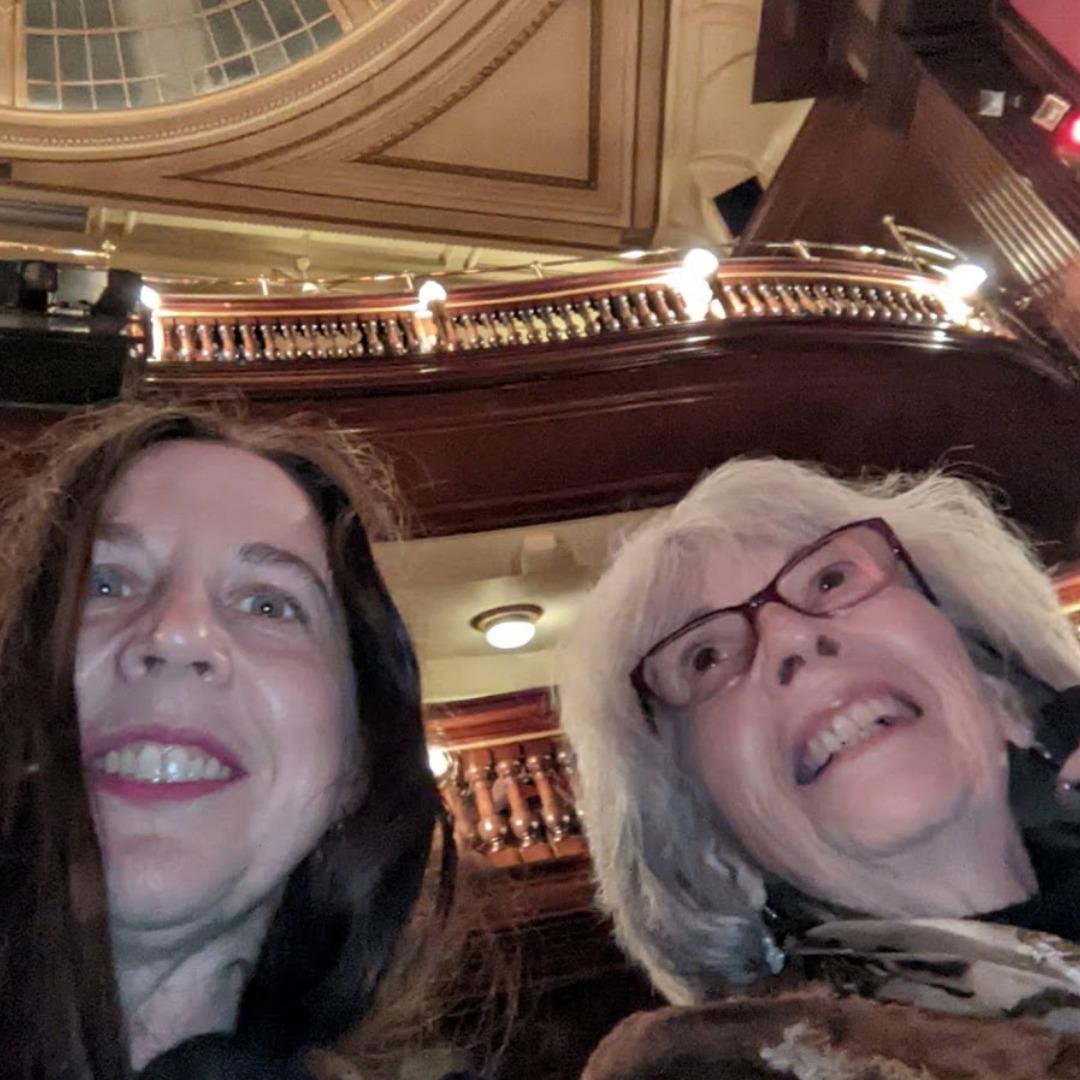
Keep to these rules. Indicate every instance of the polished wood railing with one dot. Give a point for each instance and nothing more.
(507, 777)
(785, 288)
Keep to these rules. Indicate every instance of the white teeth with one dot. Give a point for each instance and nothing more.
(149, 763)
(174, 764)
(845, 726)
(863, 712)
(155, 763)
(857, 723)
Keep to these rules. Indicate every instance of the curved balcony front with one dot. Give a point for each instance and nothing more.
(552, 398)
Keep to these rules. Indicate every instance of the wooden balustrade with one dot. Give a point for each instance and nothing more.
(514, 802)
(509, 779)
(298, 330)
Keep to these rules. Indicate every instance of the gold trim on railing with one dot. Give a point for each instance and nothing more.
(777, 289)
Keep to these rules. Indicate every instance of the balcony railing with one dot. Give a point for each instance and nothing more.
(790, 288)
(507, 777)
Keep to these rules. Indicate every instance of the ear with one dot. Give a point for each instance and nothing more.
(1003, 705)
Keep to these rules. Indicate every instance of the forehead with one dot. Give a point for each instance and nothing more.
(213, 488)
(732, 572)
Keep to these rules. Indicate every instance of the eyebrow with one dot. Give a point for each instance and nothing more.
(118, 533)
(263, 554)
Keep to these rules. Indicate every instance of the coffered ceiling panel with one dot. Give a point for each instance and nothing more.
(534, 121)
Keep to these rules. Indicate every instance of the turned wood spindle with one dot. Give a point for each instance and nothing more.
(373, 335)
(462, 814)
(627, 315)
(523, 823)
(168, 341)
(576, 323)
(224, 343)
(185, 349)
(645, 314)
(249, 351)
(606, 315)
(350, 339)
(491, 827)
(658, 301)
(269, 344)
(539, 762)
(205, 337)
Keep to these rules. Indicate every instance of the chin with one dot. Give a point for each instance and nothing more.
(888, 818)
(158, 883)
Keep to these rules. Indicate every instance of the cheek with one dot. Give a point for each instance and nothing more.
(94, 670)
(310, 725)
(912, 628)
(733, 757)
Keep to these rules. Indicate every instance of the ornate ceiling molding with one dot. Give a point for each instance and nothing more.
(535, 123)
(368, 53)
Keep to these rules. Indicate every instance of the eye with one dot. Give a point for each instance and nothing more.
(107, 583)
(705, 658)
(267, 604)
(832, 577)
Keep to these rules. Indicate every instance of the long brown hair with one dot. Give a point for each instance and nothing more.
(344, 908)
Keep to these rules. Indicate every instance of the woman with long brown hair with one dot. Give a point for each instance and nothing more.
(215, 805)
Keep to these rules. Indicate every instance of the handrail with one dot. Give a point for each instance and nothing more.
(784, 288)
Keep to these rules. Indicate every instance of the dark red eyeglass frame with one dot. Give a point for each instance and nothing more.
(771, 594)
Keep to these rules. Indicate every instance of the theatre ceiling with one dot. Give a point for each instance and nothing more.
(334, 147)
(318, 139)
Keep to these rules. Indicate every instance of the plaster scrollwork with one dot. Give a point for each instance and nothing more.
(468, 86)
(376, 53)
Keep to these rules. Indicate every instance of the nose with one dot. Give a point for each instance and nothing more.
(179, 636)
(787, 640)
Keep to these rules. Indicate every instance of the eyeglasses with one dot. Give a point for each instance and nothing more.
(841, 569)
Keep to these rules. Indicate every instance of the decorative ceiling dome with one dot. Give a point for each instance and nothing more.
(111, 55)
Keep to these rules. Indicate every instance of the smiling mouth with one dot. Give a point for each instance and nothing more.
(161, 763)
(850, 727)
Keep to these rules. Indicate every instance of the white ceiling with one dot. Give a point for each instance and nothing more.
(441, 583)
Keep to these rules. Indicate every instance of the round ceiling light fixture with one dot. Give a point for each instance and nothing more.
(509, 627)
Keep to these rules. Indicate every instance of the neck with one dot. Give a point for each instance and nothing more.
(975, 865)
(173, 986)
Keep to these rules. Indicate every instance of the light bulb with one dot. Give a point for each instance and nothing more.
(512, 632)
(700, 262)
(696, 292)
(150, 298)
(965, 278)
(431, 292)
(438, 761)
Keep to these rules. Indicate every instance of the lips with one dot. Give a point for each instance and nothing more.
(152, 762)
(832, 733)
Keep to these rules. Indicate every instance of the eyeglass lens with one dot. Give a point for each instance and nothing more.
(850, 567)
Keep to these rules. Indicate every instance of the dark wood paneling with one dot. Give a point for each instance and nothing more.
(911, 144)
(634, 423)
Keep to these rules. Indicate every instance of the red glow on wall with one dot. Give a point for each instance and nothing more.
(1057, 21)
(1067, 139)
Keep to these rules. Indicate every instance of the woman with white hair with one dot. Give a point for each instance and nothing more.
(798, 702)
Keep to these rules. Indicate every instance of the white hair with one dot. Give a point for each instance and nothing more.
(686, 901)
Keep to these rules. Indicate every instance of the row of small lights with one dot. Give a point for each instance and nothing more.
(693, 280)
